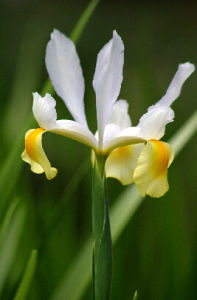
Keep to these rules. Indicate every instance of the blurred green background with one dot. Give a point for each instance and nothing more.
(157, 252)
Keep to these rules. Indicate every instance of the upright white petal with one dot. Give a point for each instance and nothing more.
(44, 110)
(107, 80)
(64, 69)
(119, 114)
(152, 124)
(174, 89)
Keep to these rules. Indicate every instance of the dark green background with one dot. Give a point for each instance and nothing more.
(157, 253)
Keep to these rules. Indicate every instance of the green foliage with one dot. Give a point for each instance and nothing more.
(154, 246)
(23, 288)
(12, 228)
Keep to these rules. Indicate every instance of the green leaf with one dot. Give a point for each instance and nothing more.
(10, 235)
(75, 281)
(135, 296)
(102, 244)
(10, 170)
(26, 281)
(83, 20)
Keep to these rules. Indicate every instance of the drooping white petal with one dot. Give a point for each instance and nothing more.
(75, 131)
(125, 137)
(152, 124)
(44, 110)
(119, 114)
(64, 69)
(174, 89)
(107, 80)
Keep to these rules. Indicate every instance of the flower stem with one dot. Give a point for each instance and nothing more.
(102, 243)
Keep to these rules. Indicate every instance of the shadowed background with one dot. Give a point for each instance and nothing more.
(157, 252)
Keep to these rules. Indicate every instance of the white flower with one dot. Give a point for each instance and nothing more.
(147, 164)
(133, 153)
(64, 69)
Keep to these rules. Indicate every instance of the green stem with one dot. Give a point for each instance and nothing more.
(102, 243)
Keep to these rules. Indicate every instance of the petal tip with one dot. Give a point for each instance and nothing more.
(187, 67)
(55, 33)
(51, 174)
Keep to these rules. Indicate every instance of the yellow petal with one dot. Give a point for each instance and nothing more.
(121, 163)
(35, 155)
(150, 174)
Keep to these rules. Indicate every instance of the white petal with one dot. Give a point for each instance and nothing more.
(125, 137)
(64, 69)
(174, 89)
(44, 110)
(111, 130)
(152, 124)
(107, 80)
(75, 131)
(119, 114)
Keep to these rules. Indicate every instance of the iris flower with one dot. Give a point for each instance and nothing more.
(133, 153)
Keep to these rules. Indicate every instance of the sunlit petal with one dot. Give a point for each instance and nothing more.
(150, 174)
(111, 130)
(152, 124)
(44, 110)
(121, 163)
(75, 131)
(125, 137)
(35, 155)
(107, 80)
(119, 114)
(64, 69)
(174, 89)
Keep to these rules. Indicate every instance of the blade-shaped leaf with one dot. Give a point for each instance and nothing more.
(135, 296)
(10, 235)
(24, 286)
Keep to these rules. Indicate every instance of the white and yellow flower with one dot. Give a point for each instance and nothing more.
(147, 164)
(64, 69)
(133, 153)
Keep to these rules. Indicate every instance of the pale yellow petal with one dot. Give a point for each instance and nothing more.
(150, 174)
(121, 163)
(35, 155)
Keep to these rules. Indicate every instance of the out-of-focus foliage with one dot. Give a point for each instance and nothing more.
(157, 252)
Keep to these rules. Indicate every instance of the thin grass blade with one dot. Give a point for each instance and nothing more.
(26, 281)
(10, 236)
